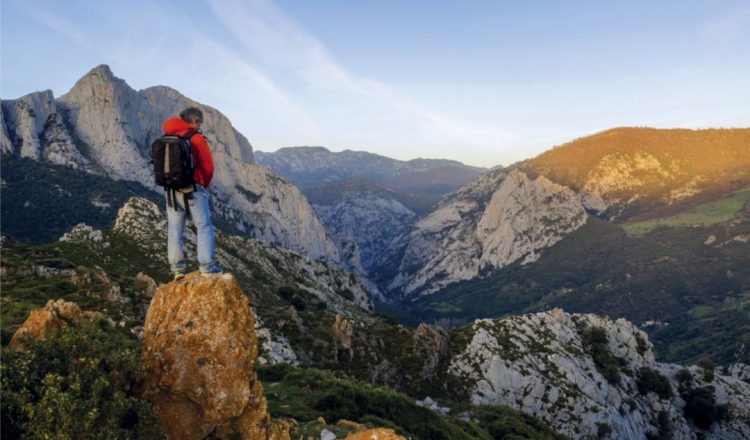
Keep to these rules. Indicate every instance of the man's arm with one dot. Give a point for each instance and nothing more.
(204, 162)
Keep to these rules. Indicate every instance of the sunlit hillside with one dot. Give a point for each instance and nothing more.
(651, 167)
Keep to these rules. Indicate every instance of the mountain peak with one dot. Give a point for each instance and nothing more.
(102, 70)
(99, 75)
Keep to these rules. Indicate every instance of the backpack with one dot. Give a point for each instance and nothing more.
(172, 157)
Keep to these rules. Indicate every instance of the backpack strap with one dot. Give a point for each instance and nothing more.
(190, 133)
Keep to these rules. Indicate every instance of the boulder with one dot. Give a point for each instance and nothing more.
(55, 314)
(343, 330)
(349, 424)
(196, 363)
(375, 434)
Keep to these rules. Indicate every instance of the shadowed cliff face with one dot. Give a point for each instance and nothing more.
(197, 362)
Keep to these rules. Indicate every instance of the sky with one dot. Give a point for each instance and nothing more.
(483, 82)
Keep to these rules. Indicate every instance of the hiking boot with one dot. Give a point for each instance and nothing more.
(216, 270)
(178, 276)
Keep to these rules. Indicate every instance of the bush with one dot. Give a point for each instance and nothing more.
(299, 303)
(603, 430)
(597, 344)
(286, 292)
(701, 408)
(346, 294)
(641, 344)
(75, 384)
(709, 367)
(706, 363)
(664, 425)
(684, 377)
(651, 381)
(503, 422)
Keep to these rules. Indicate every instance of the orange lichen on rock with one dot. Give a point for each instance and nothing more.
(354, 426)
(196, 364)
(55, 314)
(375, 434)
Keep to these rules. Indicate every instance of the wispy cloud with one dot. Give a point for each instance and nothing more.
(237, 80)
(725, 29)
(55, 22)
(264, 28)
(218, 76)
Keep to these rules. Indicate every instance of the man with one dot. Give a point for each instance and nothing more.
(196, 199)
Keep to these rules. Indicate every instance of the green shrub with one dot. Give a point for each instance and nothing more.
(709, 368)
(684, 377)
(603, 430)
(74, 385)
(641, 344)
(502, 422)
(596, 343)
(346, 294)
(701, 407)
(664, 425)
(299, 303)
(286, 292)
(651, 381)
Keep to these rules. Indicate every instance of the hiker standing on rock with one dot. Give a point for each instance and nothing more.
(183, 165)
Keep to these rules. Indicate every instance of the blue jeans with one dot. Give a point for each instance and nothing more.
(200, 214)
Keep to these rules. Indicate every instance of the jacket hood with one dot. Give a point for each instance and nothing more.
(176, 126)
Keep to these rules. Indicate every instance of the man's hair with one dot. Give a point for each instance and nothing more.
(191, 115)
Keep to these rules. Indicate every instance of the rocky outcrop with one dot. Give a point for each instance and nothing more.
(6, 146)
(500, 218)
(54, 315)
(583, 374)
(375, 434)
(430, 344)
(35, 129)
(26, 117)
(270, 208)
(198, 352)
(82, 233)
(342, 330)
(622, 173)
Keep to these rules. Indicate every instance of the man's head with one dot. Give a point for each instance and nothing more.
(193, 116)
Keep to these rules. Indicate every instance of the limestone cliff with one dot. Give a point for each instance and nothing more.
(369, 217)
(499, 218)
(590, 377)
(197, 362)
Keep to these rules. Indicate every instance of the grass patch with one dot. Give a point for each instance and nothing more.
(701, 311)
(446, 308)
(704, 215)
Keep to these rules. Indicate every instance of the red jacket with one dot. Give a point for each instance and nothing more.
(204, 162)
